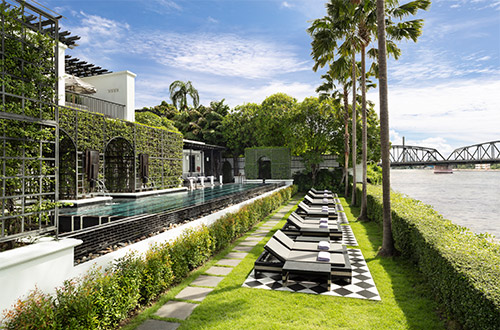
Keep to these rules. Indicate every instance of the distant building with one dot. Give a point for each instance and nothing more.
(482, 166)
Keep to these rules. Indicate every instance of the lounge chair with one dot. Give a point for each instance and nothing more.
(280, 259)
(313, 221)
(304, 209)
(293, 227)
(315, 202)
(307, 246)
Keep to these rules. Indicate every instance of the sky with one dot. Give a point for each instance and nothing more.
(444, 91)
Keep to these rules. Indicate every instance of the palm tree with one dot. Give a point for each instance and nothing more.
(340, 69)
(179, 91)
(387, 240)
(337, 25)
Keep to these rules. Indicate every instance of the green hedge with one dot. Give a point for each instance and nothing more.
(463, 268)
(280, 157)
(102, 299)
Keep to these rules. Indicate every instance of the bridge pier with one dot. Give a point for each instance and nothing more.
(442, 169)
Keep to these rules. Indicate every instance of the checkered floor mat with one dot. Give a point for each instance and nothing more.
(348, 237)
(362, 286)
(343, 218)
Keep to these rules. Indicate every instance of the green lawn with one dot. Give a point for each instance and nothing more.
(406, 301)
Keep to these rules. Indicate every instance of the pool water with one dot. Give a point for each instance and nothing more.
(158, 203)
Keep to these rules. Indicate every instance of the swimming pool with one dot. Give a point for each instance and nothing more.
(158, 203)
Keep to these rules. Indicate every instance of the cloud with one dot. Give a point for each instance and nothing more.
(212, 20)
(222, 54)
(152, 89)
(452, 114)
(160, 6)
(285, 4)
(100, 32)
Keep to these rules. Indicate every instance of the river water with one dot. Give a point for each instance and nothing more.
(467, 198)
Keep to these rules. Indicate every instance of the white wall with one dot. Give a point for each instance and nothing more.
(44, 265)
(198, 162)
(61, 71)
(118, 87)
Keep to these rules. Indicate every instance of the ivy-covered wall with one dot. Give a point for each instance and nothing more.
(280, 158)
(93, 131)
(28, 126)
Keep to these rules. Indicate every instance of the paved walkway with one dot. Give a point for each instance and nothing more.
(182, 308)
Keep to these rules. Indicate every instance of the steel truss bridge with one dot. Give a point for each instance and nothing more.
(483, 153)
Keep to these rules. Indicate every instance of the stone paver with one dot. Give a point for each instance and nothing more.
(176, 309)
(158, 325)
(250, 243)
(194, 293)
(246, 248)
(229, 262)
(252, 239)
(214, 270)
(206, 280)
(236, 255)
(260, 234)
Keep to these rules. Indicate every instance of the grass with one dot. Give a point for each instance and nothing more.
(405, 304)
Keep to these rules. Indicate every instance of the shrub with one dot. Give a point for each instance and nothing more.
(35, 312)
(463, 268)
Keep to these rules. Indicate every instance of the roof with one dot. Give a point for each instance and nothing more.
(197, 145)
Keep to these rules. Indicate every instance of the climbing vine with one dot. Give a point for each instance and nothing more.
(28, 127)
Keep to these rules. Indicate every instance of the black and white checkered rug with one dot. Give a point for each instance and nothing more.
(362, 285)
(348, 237)
(343, 218)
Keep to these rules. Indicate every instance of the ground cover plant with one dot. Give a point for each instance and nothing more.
(462, 267)
(405, 300)
(102, 299)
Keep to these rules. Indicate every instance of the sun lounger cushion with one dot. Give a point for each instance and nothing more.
(324, 256)
(324, 245)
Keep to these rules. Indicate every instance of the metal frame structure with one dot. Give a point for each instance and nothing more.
(27, 183)
(481, 153)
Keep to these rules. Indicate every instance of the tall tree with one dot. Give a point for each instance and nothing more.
(387, 240)
(313, 127)
(179, 91)
(340, 71)
(338, 25)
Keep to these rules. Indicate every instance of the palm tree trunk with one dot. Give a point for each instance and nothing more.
(363, 215)
(353, 130)
(346, 140)
(387, 240)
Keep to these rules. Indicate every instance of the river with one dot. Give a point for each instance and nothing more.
(467, 198)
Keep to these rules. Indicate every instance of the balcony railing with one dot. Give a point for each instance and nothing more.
(93, 104)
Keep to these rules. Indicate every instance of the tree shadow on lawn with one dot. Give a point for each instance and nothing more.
(396, 278)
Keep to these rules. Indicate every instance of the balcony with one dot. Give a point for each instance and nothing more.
(93, 104)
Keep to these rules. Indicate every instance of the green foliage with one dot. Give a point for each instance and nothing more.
(374, 174)
(239, 128)
(280, 162)
(462, 267)
(325, 179)
(179, 91)
(313, 128)
(90, 130)
(102, 299)
(153, 120)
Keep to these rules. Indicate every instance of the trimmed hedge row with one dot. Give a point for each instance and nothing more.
(462, 267)
(102, 299)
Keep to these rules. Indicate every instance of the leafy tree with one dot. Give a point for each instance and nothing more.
(313, 127)
(239, 129)
(179, 91)
(273, 112)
